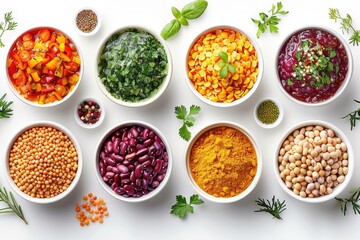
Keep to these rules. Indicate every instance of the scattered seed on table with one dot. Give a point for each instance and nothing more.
(93, 209)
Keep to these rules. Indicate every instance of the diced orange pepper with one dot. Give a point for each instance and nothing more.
(62, 47)
(52, 64)
(35, 76)
(61, 39)
(32, 63)
(64, 57)
(73, 79)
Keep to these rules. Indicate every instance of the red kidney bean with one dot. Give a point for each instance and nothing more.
(143, 158)
(117, 134)
(152, 150)
(125, 181)
(148, 142)
(109, 175)
(151, 134)
(124, 175)
(139, 146)
(160, 177)
(144, 183)
(110, 161)
(132, 142)
(165, 164)
(109, 146)
(119, 190)
(132, 176)
(109, 169)
(158, 166)
(102, 169)
(145, 164)
(130, 156)
(113, 186)
(155, 184)
(124, 136)
(122, 169)
(126, 162)
(138, 182)
(157, 145)
(137, 189)
(138, 171)
(145, 175)
(134, 133)
(116, 157)
(129, 189)
(141, 152)
(145, 133)
(102, 155)
(159, 153)
(117, 179)
(165, 156)
(116, 144)
(122, 150)
(131, 167)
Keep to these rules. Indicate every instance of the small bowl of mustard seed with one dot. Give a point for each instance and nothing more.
(87, 21)
(89, 113)
(268, 113)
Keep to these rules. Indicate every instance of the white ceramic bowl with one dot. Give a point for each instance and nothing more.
(80, 122)
(336, 190)
(254, 182)
(344, 83)
(55, 103)
(259, 76)
(279, 119)
(97, 163)
(74, 181)
(161, 88)
(98, 25)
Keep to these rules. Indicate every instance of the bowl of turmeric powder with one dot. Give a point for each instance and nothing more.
(223, 162)
(223, 66)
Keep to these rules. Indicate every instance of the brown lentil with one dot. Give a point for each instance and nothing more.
(86, 20)
(43, 162)
(203, 69)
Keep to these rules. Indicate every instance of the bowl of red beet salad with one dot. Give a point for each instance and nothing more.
(314, 66)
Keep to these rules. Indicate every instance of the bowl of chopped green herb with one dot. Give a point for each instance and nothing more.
(134, 66)
(268, 113)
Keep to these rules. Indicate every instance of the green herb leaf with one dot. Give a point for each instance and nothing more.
(289, 82)
(7, 25)
(5, 109)
(170, 29)
(224, 56)
(181, 207)
(12, 205)
(298, 55)
(231, 68)
(181, 112)
(187, 118)
(223, 72)
(194, 110)
(353, 200)
(221, 63)
(332, 54)
(345, 25)
(275, 207)
(194, 9)
(353, 116)
(183, 21)
(184, 132)
(176, 12)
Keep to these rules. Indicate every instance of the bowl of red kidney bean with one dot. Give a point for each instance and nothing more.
(133, 161)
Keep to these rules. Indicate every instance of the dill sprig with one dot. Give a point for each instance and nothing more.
(5, 110)
(7, 25)
(12, 206)
(355, 197)
(346, 25)
(275, 207)
(353, 116)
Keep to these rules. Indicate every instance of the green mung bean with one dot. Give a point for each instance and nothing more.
(268, 112)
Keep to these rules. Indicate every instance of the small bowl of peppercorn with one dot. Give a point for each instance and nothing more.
(89, 113)
(87, 21)
(268, 113)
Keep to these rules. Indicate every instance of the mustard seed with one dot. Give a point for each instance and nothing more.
(86, 20)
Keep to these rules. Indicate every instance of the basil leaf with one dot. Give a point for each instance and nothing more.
(194, 9)
(170, 29)
(224, 56)
(221, 63)
(183, 21)
(176, 12)
(232, 68)
(223, 72)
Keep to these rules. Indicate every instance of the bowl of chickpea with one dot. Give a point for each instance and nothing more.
(223, 66)
(44, 162)
(314, 161)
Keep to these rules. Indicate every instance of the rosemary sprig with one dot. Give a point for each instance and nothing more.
(355, 197)
(5, 110)
(275, 207)
(12, 207)
(7, 25)
(346, 25)
(353, 116)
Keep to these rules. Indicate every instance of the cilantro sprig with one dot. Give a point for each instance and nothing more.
(346, 25)
(181, 207)
(187, 118)
(265, 21)
(225, 65)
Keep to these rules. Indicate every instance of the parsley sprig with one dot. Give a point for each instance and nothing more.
(353, 200)
(275, 207)
(353, 116)
(346, 25)
(7, 25)
(12, 205)
(265, 21)
(5, 110)
(225, 65)
(181, 208)
(187, 118)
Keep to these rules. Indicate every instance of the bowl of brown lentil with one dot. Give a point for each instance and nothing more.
(223, 162)
(314, 161)
(44, 162)
(268, 113)
(89, 113)
(223, 66)
(87, 21)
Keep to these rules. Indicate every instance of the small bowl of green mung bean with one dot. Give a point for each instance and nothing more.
(268, 113)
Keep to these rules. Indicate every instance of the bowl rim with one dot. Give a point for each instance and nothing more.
(106, 187)
(261, 65)
(70, 94)
(78, 172)
(254, 182)
(98, 25)
(336, 190)
(166, 81)
(279, 119)
(102, 116)
(348, 75)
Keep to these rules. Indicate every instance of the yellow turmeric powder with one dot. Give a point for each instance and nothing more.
(223, 162)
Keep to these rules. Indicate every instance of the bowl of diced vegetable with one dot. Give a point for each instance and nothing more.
(134, 66)
(44, 67)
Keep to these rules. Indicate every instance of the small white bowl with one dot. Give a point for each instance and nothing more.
(161, 89)
(279, 119)
(260, 67)
(336, 190)
(74, 181)
(254, 182)
(98, 25)
(344, 83)
(89, 126)
(109, 134)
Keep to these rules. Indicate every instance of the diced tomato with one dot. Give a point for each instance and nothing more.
(47, 88)
(61, 90)
(68, 51)
(49, 79)
(72, 66)
(28, 37)
(44, 35)
(54, 48)
(24, 56)
(28, 45)
(12, 69)
(20, 78)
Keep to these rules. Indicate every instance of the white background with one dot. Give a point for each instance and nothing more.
(151, 219)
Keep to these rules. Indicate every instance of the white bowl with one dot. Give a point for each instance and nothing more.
(254, 182)
(344, 83)
(279, 119)
(98, 25)
(335, 190)
(109, 134)
(55, 103)
(89, 126)
(260, 67)
(161, 89)
(74, 181)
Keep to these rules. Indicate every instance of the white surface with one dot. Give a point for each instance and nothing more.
(151, 220)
